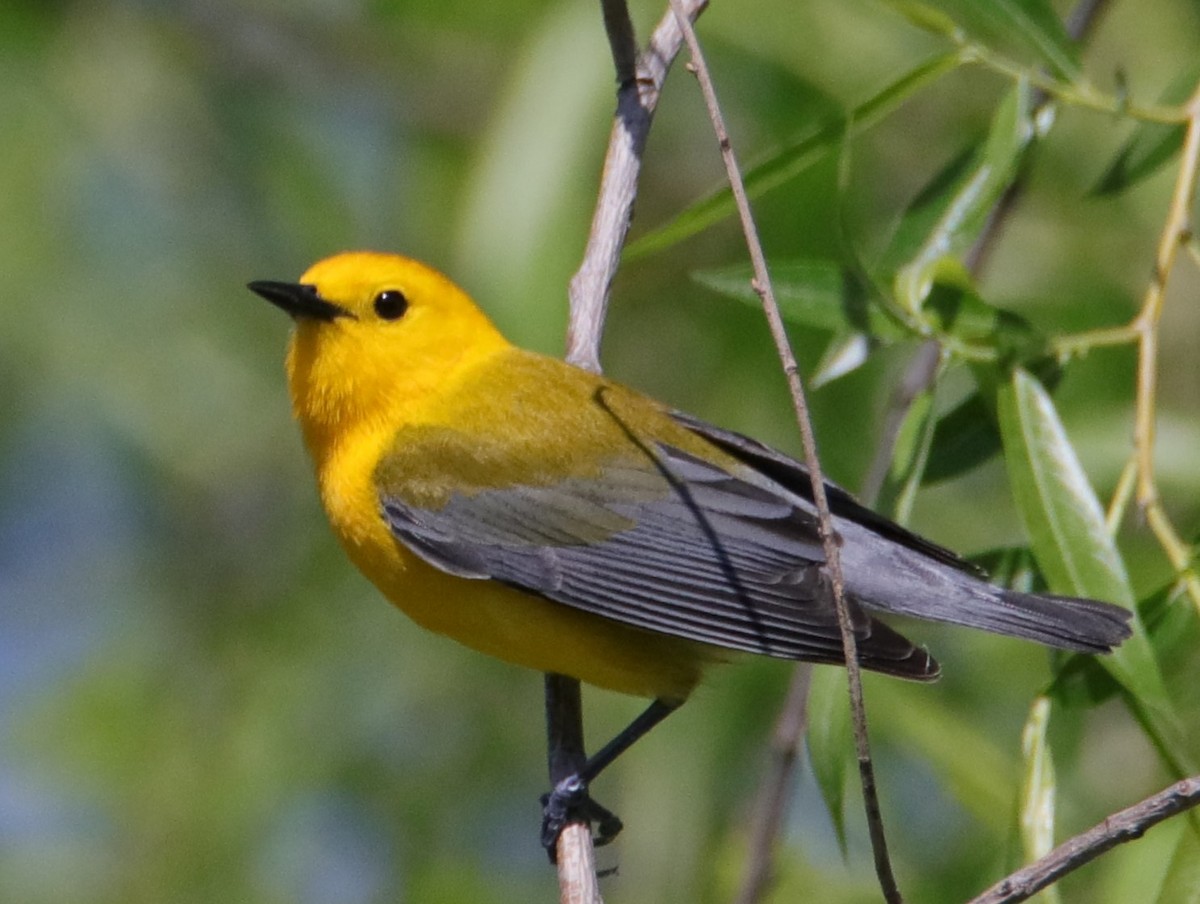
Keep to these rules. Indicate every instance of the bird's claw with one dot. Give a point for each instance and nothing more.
(569, 802)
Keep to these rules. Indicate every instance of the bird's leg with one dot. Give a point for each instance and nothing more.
(569, 801)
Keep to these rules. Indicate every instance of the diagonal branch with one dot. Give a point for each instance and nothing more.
(762, 286)
(637, 96)
(636, 102)
(1126, 825)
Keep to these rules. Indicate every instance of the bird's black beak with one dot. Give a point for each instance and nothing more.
(298, 299)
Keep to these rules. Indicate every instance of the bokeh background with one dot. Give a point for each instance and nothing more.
(200, 700)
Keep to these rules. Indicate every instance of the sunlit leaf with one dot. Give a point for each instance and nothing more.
(951, 211)
(1073, 546)
(844, 354)
(909, 457)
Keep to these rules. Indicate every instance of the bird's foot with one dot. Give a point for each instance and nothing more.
(569, 802)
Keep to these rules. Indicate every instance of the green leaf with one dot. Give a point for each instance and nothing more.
(1061, 512)
(1032, 24)
(1152, 143)
(950, 213)
(845, 353)
(793, 159)
(1038, 789)
(963, 439)
(818, 294)
(909, 457)
(1081, 680)
(830, 741)
(927, 17)
(955, 309)
(1029, 25)
(1150, 146)
(1074, 549)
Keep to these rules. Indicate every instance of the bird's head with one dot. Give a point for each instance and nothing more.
(376, 335)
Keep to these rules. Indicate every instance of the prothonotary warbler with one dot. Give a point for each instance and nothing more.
(558, 520)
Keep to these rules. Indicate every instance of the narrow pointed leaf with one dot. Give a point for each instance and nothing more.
(1074, 549)
(1033, 24)
(909, 458)
(819, 294)
(830, 742)
(950, 213)
(1026, 26)
(1038, 789)
(927, 17)
(964, 438)
(845, 354)
(1151, 144)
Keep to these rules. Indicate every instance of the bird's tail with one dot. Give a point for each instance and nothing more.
(1065, 622)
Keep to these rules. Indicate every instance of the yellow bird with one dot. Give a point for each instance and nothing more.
(558, 520)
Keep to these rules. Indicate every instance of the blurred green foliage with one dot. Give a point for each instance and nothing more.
(200, 701)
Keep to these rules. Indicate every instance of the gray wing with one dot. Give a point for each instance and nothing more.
(681, 547)
(794, 476)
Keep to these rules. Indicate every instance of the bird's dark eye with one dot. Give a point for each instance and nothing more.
(391, 305)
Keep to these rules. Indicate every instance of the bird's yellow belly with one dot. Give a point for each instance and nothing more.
(499, 620)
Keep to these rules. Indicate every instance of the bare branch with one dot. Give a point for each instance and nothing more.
(1127, 825)
(637, 95)
(762, 286)
(578, 882)
(565, 755)
(636, 102)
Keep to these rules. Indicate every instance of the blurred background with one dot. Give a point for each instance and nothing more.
(201, 701)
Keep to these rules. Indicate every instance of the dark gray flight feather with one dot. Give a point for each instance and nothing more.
(891, 569)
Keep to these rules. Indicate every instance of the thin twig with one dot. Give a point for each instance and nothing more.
(1126, 825)
(636, 101)
(1176, 232)
(639, 84)
(762, 286)
(919, 375)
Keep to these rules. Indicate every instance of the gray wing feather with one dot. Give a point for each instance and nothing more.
(692, 551)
